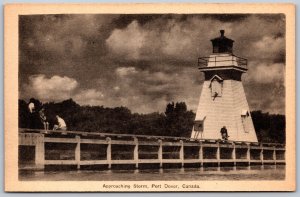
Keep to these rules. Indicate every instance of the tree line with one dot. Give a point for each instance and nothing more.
(175, 121)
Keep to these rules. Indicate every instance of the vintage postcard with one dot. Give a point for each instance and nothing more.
(149, 97)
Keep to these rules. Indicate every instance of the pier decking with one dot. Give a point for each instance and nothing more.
(39, 149)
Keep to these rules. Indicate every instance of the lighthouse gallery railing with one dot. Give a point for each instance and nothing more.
(203, 61)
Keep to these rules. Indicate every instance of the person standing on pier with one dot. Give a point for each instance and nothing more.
(224, 133)
(61, 124)
(32, 114)
(44, 119)
(31, 106)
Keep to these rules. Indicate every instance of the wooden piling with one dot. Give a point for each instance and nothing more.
(40, 152)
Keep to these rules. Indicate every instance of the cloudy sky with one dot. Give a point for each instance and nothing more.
(145, 61)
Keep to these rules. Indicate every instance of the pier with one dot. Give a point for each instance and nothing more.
(39, 149)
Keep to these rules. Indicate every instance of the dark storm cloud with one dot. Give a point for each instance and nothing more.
(261, 96)
(145, 61)
(124, 19)
(227, 17)
(66, 44)
(271, 17)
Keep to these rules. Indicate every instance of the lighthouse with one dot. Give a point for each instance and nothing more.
(223, 101)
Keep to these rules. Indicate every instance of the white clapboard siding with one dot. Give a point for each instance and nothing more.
(225, 110)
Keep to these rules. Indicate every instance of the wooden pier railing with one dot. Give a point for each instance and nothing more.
(40, 148)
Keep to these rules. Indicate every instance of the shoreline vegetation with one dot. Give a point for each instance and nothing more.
(175, 121)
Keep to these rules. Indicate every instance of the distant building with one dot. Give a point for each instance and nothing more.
(222, 100)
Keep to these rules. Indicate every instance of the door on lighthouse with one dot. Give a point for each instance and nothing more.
(246, 121)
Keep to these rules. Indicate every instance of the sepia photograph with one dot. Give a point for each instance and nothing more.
(139, 101)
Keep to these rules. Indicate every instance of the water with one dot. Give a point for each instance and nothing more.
(183, 174)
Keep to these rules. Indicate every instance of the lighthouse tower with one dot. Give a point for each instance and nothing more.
(222, 100)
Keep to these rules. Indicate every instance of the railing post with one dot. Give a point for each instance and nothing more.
(181, 153)
(160, 155)
(136, 152)
(284, 153)
(40, 152)
(261, 154)
(233, 154)
(77, 151)
(248, 154)
(218, 153)
(108, 152)
(215, 60)
(274, 154)
(201, 153)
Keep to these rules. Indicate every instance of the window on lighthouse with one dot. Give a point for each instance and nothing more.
(216, 88)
